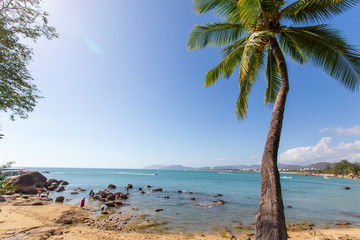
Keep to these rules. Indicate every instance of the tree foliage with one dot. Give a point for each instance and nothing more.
(345, 167)
(4, 178)
(248, 26)
(19, 20)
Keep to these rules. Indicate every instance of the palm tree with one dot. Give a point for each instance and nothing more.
(256, 34)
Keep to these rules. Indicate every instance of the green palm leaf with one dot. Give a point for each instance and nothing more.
(225, 9)
(246, 82)
(291, 48)
(316, 11)
(327, 50)
(227, 66)
(214, 34)
(250, 12)
(273, 79)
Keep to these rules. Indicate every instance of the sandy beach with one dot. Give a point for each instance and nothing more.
(31, 218)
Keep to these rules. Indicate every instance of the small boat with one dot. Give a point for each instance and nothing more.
(347, 188)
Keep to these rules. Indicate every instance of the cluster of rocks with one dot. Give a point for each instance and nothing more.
(33, 181)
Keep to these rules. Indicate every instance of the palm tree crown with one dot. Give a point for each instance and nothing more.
(247, 28)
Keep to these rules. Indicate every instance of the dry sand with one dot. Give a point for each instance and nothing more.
(19, 219)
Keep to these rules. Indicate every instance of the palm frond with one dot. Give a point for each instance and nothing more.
(327, 50)
(273, 79)
(290, 47)
(214, 34)
(246, 82)
(225, 9)
(227, 66)
(316, 11)
(250, 12)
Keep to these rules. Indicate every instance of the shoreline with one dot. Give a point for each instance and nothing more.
(26, 216)
(329, 175)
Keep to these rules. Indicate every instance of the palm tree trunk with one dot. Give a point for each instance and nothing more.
(270, 218)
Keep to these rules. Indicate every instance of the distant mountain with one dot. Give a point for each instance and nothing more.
(320, 165)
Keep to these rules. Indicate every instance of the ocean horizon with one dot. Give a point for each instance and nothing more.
(306, 198)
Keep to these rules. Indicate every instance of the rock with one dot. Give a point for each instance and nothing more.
(157, 190)
(192, 199)
(79, 189)
(40, 180)
(25, 197)
(129, 186)
(52, 180)
(142, 192)
(159, 210)
(220, 202)
(110, 196)
(53, 186)
(148, 186)
(179, 191)
(123, 196)
(24, 183)
(111, 186)
(140, 189)
(219, 195)
(70, 217)
(176, 213)
(110, 204)
(63, 182)
(74, 193)
(2, 199)
(60, 199)
(289, 206)
(103, 193)
(299, 226)
(118, 203)
(38, 203)
(60, 189)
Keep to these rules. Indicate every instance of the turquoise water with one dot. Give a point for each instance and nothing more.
(321, 201)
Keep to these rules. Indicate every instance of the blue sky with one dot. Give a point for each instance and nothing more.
(122, 91)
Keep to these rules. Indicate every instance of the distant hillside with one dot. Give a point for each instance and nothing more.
(320, 165)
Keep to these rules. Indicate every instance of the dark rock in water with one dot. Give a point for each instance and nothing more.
(142, 192)
(74, 193)
(123, 196)
(118, 203)
(60, 189)
(159, 210)
(166, 197)
(220, 202)
(179, 191)
(191, 193)
(157, 190)
(63, 182)
(53, 186)
(140, 189)
(111, 186)
(40, 180)
(110, 196)
(148, 186)
(192, 199)
(110, 204)
(289, 206)
(51, 180)
(103, 193)
(219, 195)
(60, 199)
(79, 189)
(129, 186)
(24, 183)
(2, 199)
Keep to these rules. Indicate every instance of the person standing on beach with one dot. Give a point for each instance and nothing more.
(82, 204)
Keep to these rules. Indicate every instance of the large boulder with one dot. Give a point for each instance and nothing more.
(60, 199)
(103, 193)
(23, 183)
(40, 180)
(51, 181)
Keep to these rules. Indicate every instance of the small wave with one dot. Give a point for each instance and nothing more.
(286, 177)
(224, 173)
(57, 172)
(142, 174)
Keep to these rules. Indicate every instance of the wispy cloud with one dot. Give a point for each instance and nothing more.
(94, 47)
(221, 159)
(324, 150)
(254, 157)
(353, 131)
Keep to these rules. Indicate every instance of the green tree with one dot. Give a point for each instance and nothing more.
(4, 178)
(19, 20)
(345, 167)
(255, 35)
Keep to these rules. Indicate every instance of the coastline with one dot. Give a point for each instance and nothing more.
(26, 216)
(329, 175)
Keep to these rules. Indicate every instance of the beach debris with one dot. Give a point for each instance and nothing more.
(111, 186)
(159, 210)
(157, 190)
(60, 199)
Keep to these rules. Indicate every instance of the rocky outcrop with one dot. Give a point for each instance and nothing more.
(23, 183)
(60, 199)
(111, 186)
(40, 180)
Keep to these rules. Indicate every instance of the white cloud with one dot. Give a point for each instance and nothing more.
(354, 131)
(324, 150)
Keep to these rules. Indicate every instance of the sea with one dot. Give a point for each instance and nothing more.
(321, 201)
